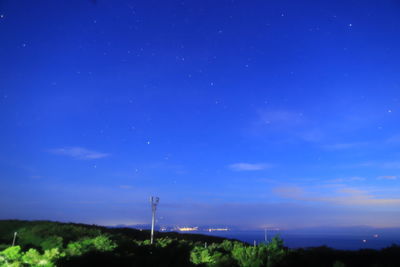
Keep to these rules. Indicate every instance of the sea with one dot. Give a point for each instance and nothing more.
(348, 240)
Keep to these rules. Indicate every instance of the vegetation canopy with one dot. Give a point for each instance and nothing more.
(44, 243)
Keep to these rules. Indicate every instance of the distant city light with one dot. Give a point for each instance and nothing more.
(217, 229)
(188, 229)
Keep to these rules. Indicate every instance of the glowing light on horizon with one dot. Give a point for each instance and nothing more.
(188, 229)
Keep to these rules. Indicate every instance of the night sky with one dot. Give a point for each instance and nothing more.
(248, 113)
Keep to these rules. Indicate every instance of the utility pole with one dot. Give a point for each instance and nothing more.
(265, 235)
(154, 202)
(15, 237)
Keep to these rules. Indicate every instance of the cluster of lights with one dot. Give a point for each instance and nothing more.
(375, 236)
(187, 229)
(217, 229)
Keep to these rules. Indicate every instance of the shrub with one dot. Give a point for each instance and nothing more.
(100, 243)
(200, 255)
(12, 253)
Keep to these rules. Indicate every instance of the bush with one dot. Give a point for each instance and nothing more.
(13, 256)
(100, 243)
(52, 242)
(201, 255)
(12, 253)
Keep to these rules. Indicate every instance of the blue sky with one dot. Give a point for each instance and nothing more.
(250, 113)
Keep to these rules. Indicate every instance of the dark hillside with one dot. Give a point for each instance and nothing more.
(70, 244)
(32, 233)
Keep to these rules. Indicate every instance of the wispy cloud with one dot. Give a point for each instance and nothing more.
(288, 124)
(376, 164)
(346, 196)
(280, 119)
(79, 153)
(343, 146)
(394, 140)
(289, 191)
(348, 179)
(322, 128)
(242, 166)
(388, 177)
(283, 117)
(125, 186)
(391, 165)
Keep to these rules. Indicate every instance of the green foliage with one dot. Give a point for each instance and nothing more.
(100, 243)
(220, 259)
(13, 256)
(229, 245)
(75, 249)
(233, 253)
(53, 254)
(276, 243)
(52, 242)
(248, 256)
(11, 253)
(338, 264)
(103, 243)
(164, 242)
(39, 236)
(200, 255)
(144, 242)
(55, 244)
(33, 258)
(45, 235)
(276, 251)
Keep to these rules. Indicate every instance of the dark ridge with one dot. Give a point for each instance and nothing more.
(8, 227)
